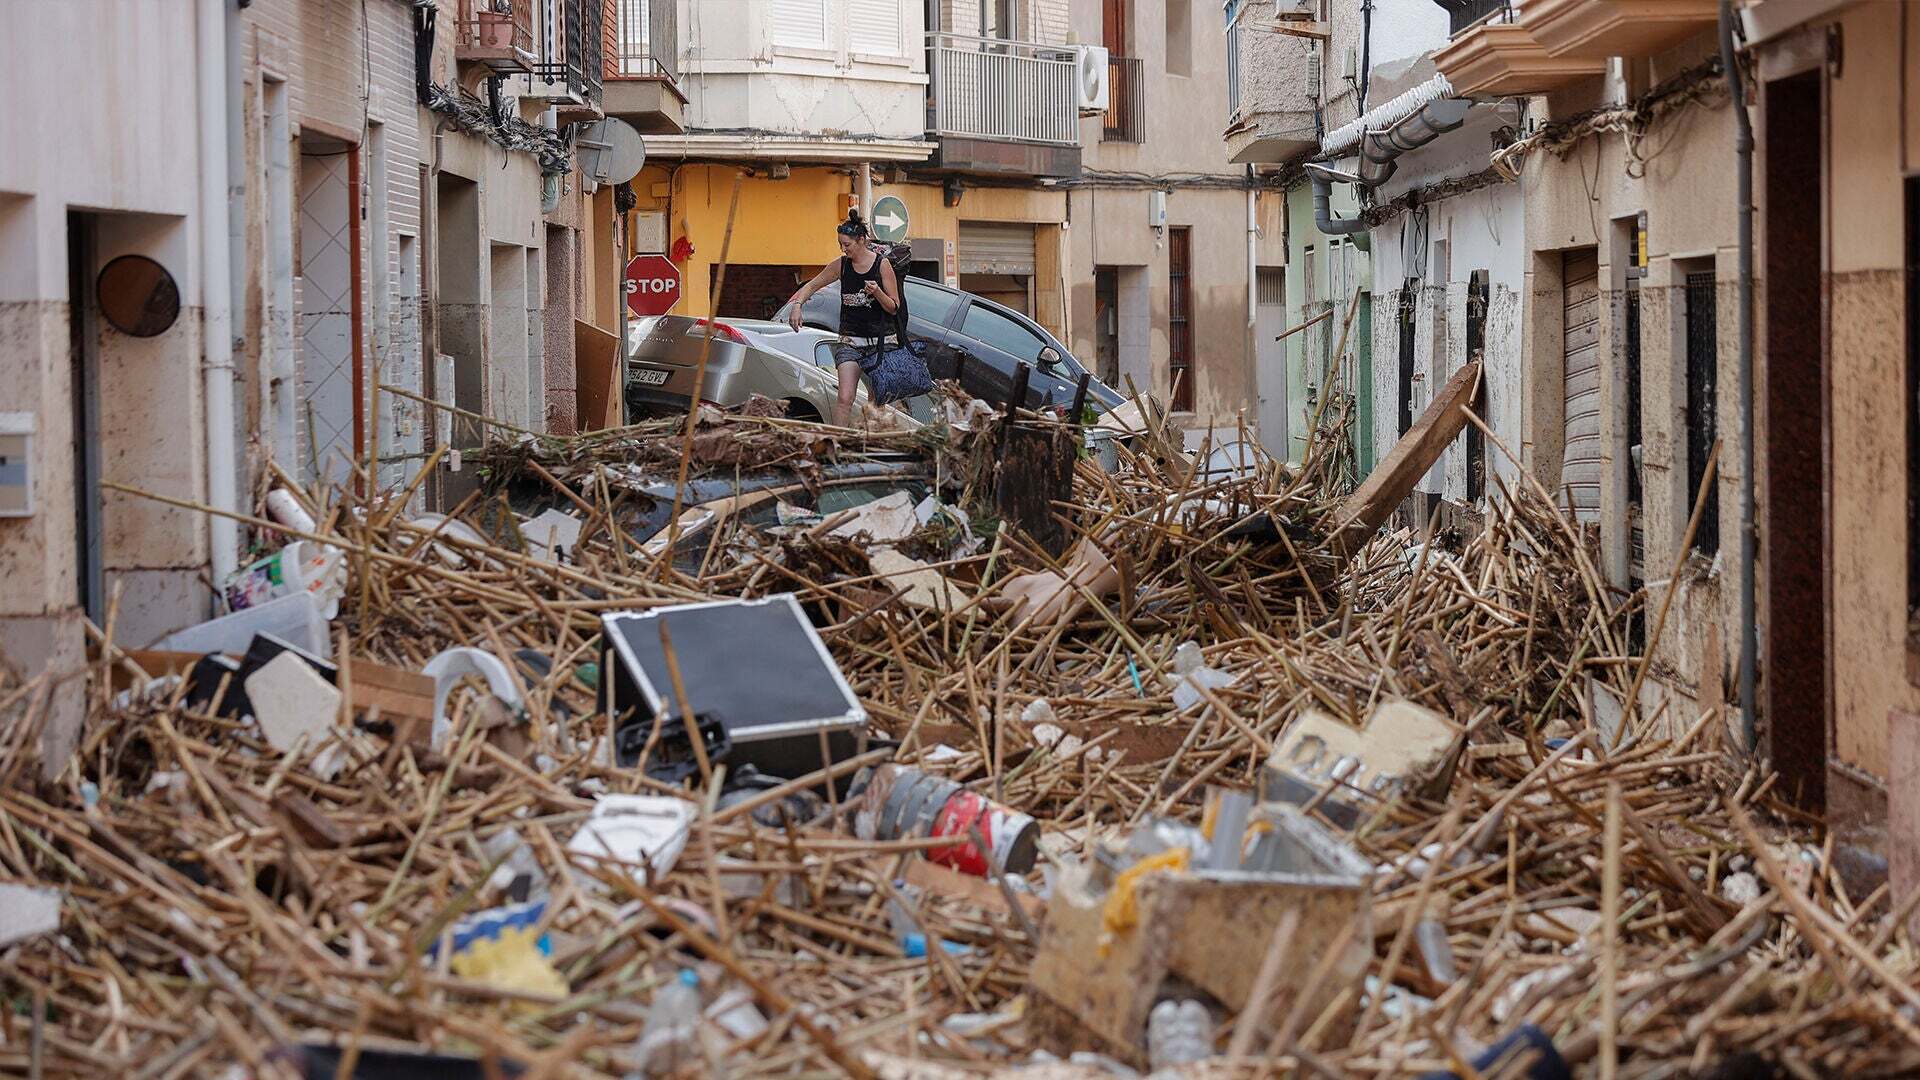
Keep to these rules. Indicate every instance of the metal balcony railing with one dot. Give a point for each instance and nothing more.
(1126, 116)
(646, 43)
(988, 88)
(570, 37)
(497, 33)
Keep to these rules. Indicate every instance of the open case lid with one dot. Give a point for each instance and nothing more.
(758, 665)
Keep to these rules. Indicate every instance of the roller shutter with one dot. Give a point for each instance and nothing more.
(995, 247)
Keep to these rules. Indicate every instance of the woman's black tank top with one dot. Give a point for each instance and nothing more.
(861, 316)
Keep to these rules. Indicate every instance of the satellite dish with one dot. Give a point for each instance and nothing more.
(611, 152)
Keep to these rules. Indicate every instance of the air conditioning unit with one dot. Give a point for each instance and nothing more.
(1093, 88)
(1295, 9)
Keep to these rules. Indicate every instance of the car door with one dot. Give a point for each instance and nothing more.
(993, 343)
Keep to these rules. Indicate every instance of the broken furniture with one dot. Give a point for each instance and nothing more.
(1202, 929)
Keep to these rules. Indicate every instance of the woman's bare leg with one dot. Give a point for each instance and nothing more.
(849, 382)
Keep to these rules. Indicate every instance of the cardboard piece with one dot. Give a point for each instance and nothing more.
(1401, 747)
(600, 376)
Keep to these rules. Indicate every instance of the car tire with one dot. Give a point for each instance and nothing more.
(802, 409)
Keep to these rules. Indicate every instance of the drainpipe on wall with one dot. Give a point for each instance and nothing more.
(1322, 179)
(216, 285)
(1743, 176)
(1253, 245)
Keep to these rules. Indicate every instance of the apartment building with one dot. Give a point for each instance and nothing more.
(263, 246)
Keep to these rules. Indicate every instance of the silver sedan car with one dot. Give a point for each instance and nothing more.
(747, 357)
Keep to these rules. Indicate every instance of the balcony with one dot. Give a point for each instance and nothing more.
(497, 34)
(1004, 106)
(1597, 29)
(568, 72)
(1272, 81)
(1126, 115)
(1499, 57)
(643, 67)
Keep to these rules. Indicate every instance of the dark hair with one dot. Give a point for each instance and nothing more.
(853, 226)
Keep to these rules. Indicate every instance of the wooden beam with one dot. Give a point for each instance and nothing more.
(1392, 480)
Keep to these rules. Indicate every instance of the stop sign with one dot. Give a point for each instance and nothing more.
(653, 285)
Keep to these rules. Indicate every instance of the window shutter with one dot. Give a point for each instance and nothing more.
(874, 26)
(799, 23)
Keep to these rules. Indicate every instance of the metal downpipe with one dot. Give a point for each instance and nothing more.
(1743, 175)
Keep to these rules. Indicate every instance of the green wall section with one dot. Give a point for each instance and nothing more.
(1309, 353)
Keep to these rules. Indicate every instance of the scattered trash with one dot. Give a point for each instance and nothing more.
(452, 665)
(775, 720)
(297, 709)
(1181, 921)
(519, 874)
(643, 834)
(1343, 770)
(552, 536)
(897, 802)
(295, 618)
(1527, 1053)
(670, 1041)
(1179, 1032)
(503, 947)
(303, 566)
(27, 911)
(1740, 888)
(1191, 676)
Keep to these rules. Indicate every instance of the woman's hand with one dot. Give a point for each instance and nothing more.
(872, 288)
(793, 312)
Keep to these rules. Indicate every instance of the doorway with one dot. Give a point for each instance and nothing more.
(328, 409)
(84, 344)
(1794, 674)
(1106, 325)
(1270, 356)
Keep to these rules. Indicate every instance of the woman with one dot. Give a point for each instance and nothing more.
(869, 295)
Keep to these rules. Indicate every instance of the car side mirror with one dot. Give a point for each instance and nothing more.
(1049, 357)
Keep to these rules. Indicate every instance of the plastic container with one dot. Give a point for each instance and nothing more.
(671, 1039)
(302, 566)
(295, 618)
(1179, 1033)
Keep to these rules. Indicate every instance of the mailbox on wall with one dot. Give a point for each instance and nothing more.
(16, 464)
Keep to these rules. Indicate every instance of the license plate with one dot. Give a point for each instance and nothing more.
(650, 376)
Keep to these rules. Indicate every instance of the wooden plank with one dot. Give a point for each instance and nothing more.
(1364, 511)
(597, 369)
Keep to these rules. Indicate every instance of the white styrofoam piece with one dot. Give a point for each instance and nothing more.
(552, 535)
(27, 911)
(635, 829)
(291, 700)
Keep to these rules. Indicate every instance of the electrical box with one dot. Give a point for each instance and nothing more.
(16, 464)
(1157, 209)
(650, 232)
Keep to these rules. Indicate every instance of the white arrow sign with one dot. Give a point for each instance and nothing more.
(890, 222)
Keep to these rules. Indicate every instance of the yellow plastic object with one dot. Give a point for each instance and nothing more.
(511, 961)
(1122, 910)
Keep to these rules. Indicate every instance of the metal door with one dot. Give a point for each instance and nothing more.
(1581, 464)
(1270, 358)
(996, 247)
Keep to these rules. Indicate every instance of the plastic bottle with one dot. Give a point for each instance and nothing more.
(1179, 1033)
(670, 1041)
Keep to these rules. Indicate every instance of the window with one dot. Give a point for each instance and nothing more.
(1179, 37)
(873, 27)
(1476, 350)
(1002, 332)
(1180, 317)
(1703, 355)
(800, 24)
(1000, 19)
(929, 304)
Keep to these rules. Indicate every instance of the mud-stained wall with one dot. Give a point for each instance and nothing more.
(1867, 349)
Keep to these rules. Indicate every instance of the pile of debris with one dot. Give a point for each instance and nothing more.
(910, 755)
